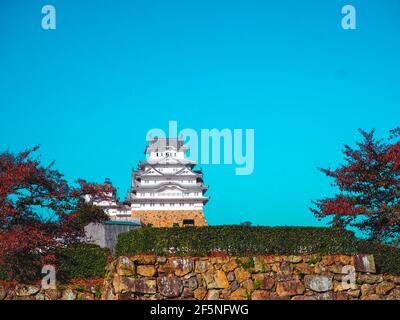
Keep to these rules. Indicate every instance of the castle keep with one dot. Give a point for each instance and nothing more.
(166, 189)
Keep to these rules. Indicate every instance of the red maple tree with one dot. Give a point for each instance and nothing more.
(369, 185)
(38, 206)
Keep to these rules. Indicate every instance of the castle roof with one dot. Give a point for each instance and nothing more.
(168, 160)
(165, 144)
(170, 184)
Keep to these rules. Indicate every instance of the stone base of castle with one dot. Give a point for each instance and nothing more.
(169, 218)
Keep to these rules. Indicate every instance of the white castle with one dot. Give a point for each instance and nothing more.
(165, 189)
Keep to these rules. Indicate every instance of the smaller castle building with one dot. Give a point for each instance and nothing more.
(109, 203)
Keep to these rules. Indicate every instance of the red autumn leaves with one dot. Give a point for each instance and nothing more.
(37, 205)
(369, 188)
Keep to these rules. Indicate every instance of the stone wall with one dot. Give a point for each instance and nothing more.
(83, 290)
(310, 277)
(167, 218)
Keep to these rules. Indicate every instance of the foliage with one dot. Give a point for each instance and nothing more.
(249, 264)
(97, 291)
(257, 284)
(87, 213)
(27, 189)
(81, 261)
(314, 259)
(236, 240)
(23, 267)
(38, 207)
(94, 191)
(369, 184)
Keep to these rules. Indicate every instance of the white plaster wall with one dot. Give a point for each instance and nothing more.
(172, 153)
(166, 207)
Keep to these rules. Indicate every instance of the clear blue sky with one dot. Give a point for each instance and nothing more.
(89, 91)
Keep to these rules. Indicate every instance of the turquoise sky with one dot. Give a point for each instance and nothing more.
(89, 91)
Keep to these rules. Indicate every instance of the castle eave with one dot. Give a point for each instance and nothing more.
(135, 199)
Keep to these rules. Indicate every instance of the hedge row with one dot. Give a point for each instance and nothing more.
(83, 261)
(246, 240)
(22, 266)
(236, 240)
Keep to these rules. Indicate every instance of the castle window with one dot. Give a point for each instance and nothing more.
(188, 222)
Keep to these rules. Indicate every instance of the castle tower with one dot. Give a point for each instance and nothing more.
(109, 203)
(166, 190)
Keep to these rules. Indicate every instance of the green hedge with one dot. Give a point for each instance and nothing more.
(387, 258)
(22, 267)
(236, 240)
(81, 261)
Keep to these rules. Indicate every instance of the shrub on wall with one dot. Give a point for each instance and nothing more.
(236, 240)
(81, 261)
(21, 266)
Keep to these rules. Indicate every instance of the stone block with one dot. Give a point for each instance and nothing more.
(384, 288)
(170, 287)
(200, 293)
(318, 283)
(290, 288)
(25, 291)
(239, 294)
(146, 270)
(364, 263)
(241, 275)
(181, 266)
(125, 267)
(212, 295)
(216, 280)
